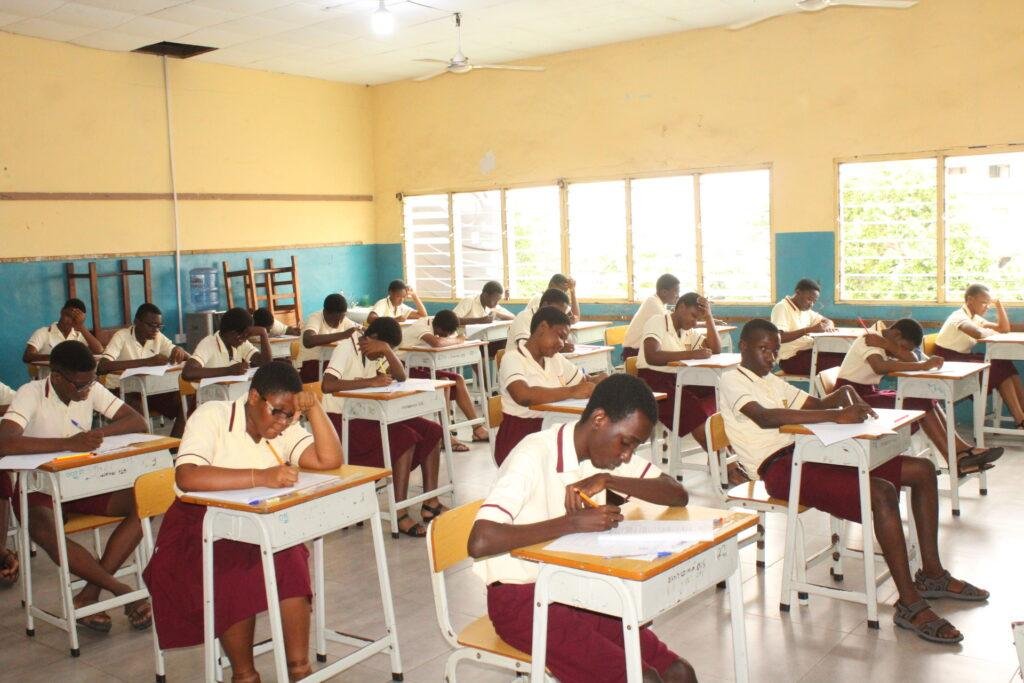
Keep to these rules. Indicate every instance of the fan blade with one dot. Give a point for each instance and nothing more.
(884, 4)
(509, 67)
(433, 61)
(429, 76)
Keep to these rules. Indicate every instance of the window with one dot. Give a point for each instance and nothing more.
(736, 239)
(428, 257)
(597, 239)
(476, 223)
(664, 232)
(533, 219)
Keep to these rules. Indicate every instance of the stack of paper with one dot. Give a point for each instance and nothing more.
(395, 387)
(644, 539)
(717, 359)
(152, 370)
(228, 379)
(833, 432)
(120, 442)
(262, 494)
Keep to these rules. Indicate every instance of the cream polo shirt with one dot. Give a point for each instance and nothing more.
(520, 327)
(855, 367)
(412, 335)
(650, 308)
(38, 410)
(752, 444)
(348, 362)
(787, 317)
(470, 307)
(212, 352)
(385, 309)
(518, 365)
(533, 305)
(215, 435)
(952, 338)
(6, 394)
(317, 325)
(277, 329)
(672, 340)
(124, 345)
(45, 338)
(531, 488)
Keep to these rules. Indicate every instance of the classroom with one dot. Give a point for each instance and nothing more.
(327, 298)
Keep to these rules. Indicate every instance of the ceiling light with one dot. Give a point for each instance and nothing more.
(382, 21)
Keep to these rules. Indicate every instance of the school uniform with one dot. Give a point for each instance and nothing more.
(533, 305)
(212, 352)
(6, 395)
(520, 327)
(364, 442)
(470, 307)
(309, 359)
(954, 344)
(696, 403)
(856, 373)
(519, 421)
(795, 356)
(385, 309)
(45, 338)
(412, 335)
(650, 308)
(582, 646)
(6, 490)
(767, 454)
(277, 329)
(215, 435)
(124, 345)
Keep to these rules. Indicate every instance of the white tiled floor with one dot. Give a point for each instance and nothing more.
(825, 641)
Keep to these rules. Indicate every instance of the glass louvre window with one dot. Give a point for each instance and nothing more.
(428, 259)
(664, 232)
(597, 239)
(476, 223)
(533, 221)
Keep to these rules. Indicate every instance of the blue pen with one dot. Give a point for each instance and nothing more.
(78, 426)
(664, 554)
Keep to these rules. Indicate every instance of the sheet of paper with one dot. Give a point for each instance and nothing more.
(580, 349)
(259, 494)
(120, 442)
(632, 538)
(949, 368)
(580, 403)
(1017, 337)
(30, 462)
(472, 330)
(395, 387)
(153, 371)
(716, 359)
(832, 432)
(227, 379)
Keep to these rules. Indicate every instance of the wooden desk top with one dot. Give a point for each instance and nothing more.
(949, 370)
(74, 461)
(351, 476)
(469, 343)
(913, 417)
(390, 396)
(560, 407)
(640, 570)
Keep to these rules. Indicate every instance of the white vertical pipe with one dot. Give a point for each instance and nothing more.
(174, 200)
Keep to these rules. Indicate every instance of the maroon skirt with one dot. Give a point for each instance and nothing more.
(886, 399)
(364, 444)
(511, 431)
(697, 404)
(1000, 371)
(629, 352)
(6, 488)
(93, 505)
(309, 371)
(174, 578)
(800, 364)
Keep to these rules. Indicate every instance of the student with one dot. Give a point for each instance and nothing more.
(666, 293)
(675, 336)
(323, 328)
(254, 441)
(565, 284)
(8, 558)
(795, 319)
(755, 403)
(872, 356)
(357, 364)
(537, 498)
(143, 344)
(553, 297)
(483, 309)
(262, 317)
(964, 327)
(438, 332)
(392, 305)
(535, 372)
(69, 326)
(55, 414)
(227, 352)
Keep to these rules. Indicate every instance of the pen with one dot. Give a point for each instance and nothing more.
(75, 424)
(862, 324)
(587, 499)
(76, 456)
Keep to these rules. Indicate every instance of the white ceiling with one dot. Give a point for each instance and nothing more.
(331, 39)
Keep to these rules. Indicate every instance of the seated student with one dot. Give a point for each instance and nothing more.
(872, 356)
(556, 298)
(262, 317)
(535, 372)
(357, 364)
(756, 402)
(55, 414)
(964, 327)
(143, 344)
(227, 352)
(795, 320)
(321, 329)
(484, 308)
(536, 498)
(441, 331)
(563, 283)
(8, 558)
(70, 326)
(676, 336)
(254, 441)
(392, 305)
(666, 294)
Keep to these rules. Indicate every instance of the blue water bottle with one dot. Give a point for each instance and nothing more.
(203, 289)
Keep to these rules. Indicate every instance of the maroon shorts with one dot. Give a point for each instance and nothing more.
(309, 371)
(697, 404)
(582, 646)
(800, 364)
(424, 373)
(174, 577)
(364, 444)
(886, 399)
(6, 487)
(629, 352)
(1000, 371)
(168, 405)
(93, 505)
(511, 431)
(830, 488)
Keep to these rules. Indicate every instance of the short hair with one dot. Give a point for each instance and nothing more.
(666, 281)
(493, 287)
(77, 304)
(910, 330)
(558, 280)
(975, 290)
(689, 300)
(621, 395)
(72, 356)
(396, 285)
(276, 378)
(147, 309)
(757, 326)
(263, 317)
(807, 285)
(554, 296)
(550, 315)
(235, 320)
(385, 329)
(335, 303)
(445, 321)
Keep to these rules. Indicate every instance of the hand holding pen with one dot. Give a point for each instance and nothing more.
(85, 441)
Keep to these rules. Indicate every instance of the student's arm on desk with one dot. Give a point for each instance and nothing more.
(195, 371)
(655, 356)
(13, 441)
(814, 410)
(526, 395)
(823, 325)
(325, 451)
(493, 538)
(310, 339)
(332, 384)
(482, 320)
(881, 365)
(661, 490)
(436, 342)
(126, 420)
(106, 365)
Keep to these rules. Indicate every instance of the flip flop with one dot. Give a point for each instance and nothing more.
(985, 457)
(415, 531)
(96, 622)
(140, 615)
(976, 470)
(458, 446)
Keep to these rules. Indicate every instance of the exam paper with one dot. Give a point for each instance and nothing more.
(395, 387)
(716, 359)
(581, 349)
(120, 442)
(228, 379)
(949, 368)
(30, 462)
(633, 538)
(832, 432)
(580, 403)
(154, 370)
(259, 494)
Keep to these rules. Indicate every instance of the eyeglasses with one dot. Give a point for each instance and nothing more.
(277, 413)
(152, 326)
(79, 386)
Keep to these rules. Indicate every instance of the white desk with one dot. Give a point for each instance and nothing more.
(637, 591)
(1010, 347)
(287, 523)
(358, 314)
(725, 337)
(495, 331)
(952, 382)
(838, 341)
(589, 331)
(592, 359)
(150, 385)
(451, 357)
(281, 347)
(221, 391)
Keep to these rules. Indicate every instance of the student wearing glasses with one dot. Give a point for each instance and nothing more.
(796, 319)
(56, 414)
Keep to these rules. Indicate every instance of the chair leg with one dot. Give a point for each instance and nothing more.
(837, 529)
(801, 561)
(96, 544)
(761, 518)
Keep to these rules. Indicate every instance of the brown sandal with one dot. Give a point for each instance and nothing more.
(10, 567)
(299, 670)
(927, 630)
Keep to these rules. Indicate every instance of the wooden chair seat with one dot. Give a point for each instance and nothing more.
(81, 522)
(481, 635)
(755, 492)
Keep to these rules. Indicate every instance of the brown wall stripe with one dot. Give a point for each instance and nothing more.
(184, 196)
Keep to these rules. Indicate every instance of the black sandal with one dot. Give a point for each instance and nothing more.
(415, 531)
(928, 630)
(938, 587)
(432, 510)
(986, 456)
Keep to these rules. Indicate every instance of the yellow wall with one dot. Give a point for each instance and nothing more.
(74, 119)
(797, 91)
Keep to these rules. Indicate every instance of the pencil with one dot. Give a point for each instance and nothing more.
(587, 499)
(274, 451)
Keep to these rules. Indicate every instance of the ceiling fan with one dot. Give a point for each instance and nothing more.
(460, 64)
(818, 5)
